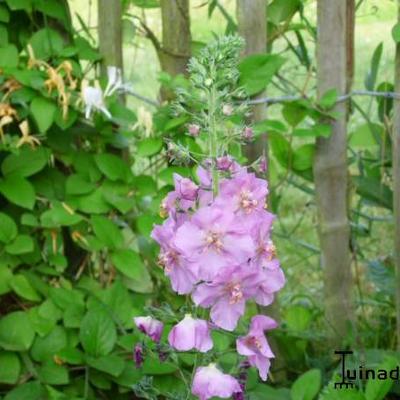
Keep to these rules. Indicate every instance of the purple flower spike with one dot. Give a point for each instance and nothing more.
(138, 355)
(190, 334)
(150, 327)
(255, 346)
(210, 381)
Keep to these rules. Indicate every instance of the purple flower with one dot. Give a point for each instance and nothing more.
(247, 133)
(227, 294)
(211, 382)
(138, 355)
(255, 346)
(185, 188)
(245, 193)
(182, 275)
(204, 174)
(194, 130)
(190, 334)
(265, 259)
(150, 327)
(212, 239)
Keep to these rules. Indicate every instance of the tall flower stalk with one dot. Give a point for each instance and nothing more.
(215, 244)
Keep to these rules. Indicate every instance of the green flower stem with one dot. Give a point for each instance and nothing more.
(213, 138)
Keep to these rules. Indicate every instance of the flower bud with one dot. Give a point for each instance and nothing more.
(138, 355)
(224, 163)
(150, 327)
(262, 164)
(194, 130)
(227, 110)
(248, 133)
(190, 334)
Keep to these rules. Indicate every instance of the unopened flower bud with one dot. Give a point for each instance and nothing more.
(227, 110)
(224, 163)
(194, 130)
(247, 133)
(138, 355)
(262, 164)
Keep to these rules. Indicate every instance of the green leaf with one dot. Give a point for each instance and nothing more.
(149, 147)
(16, 332)
(280, 148)
(306, 387)
(129, 263)
(4, 37)
(4, 14)
(73, 315)
(256, 71)
(54, 9)
(377, 389)
(27, 162)
(94, 203)
(370, 79)
(19, 191)
(152, 366)
(145, 223)
(43, 111)
(303, 157)
(71, 356)
(294, 113)
(19, 5)
(27, 391)
(46, 42)
(9, 56)
(22, 287)
(298, 318)
(107, 231)
(113, 167)
(45, 348)
(282, 10)
(374, 191)
(53, 374)
(145, 185)
(85, 50)
(8, 230)
(77, 184)
(59, 215)
(129, 377)
(111, 364)
(5, 277)
(396, 33)
(98, 333)
(63, 298)
(22, 244)
(364, 135)
(10, 367)
(328, 99)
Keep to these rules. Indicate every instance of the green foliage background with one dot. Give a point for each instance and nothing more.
(76, 212)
